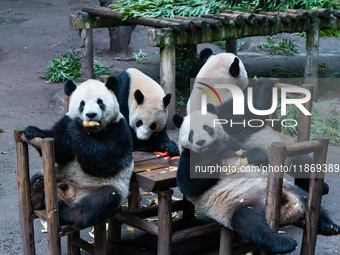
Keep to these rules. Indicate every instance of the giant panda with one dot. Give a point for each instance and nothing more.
(144, 104)
(261, 136)
(236, 201)
(223, 68)
(94, 163)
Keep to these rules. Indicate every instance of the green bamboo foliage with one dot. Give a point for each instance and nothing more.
(197, 8)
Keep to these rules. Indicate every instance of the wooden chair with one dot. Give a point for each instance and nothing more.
(50, 214)
(279, 153)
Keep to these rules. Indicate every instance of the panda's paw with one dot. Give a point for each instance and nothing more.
(171, 148)
(328, 228)
(280, 245)
(32, 132)
(37, 191)
(219, 146)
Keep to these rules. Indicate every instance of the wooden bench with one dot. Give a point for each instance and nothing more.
(157, 175)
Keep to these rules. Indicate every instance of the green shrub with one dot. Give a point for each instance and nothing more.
(68, 66)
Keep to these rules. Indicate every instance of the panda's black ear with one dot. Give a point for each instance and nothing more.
(112, 83)
(205, 54)
(166, 100)
(212, 109)
(69, 87)
(139, 96)
(177, 120)
(234, 69)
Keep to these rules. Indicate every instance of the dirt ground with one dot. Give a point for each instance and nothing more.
(33, 32)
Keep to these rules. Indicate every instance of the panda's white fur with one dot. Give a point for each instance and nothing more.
(89, 92)
(216, 71)
(190, 124)
(239, 197)
(93, 164)
(151, 110)
(71, 172)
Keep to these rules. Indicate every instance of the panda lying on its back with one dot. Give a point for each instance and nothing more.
(144, 104)
(236, 201)
(93, 165)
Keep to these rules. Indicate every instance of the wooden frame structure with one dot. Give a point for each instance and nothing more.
(226, 26)
(50, 214)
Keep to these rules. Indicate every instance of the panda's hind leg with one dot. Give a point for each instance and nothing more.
(249, 222)
(37, 191)
(96, 206)
(326, 226)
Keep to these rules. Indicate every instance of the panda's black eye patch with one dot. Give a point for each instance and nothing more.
(210, 130)
(81, 106)
(153, 126)
(139, 123)
(101, 104)
(191, 134)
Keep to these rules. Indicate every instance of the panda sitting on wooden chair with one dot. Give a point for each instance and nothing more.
(238, 201)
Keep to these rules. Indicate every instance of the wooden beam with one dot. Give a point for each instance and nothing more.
(274, 186)
(226, 241)
(168, 71)
(305, 120)
(195, 231)
(314, 200)
(164, 242)
(303, 148)
(24, 200)
(312, 56)
(100, 238)
(51, 200)
(137, 222)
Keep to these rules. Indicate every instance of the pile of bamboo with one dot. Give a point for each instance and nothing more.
(291, 20)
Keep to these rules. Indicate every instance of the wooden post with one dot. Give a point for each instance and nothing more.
(73, 249)
(67, 102)
(115, 233)
(274, 186)
(168, 71)
(164, 222)
(312, 56)
(314, 200)
(134, 197)
(305, 120)
(226, 241)
(23, 184)
(100, 238)
(231, 46)
(51, 200)
(86, 44)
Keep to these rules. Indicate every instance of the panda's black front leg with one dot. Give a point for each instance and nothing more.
(157, 142)
(63, 149)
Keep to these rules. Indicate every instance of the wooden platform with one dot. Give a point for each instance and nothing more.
(226, 26)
